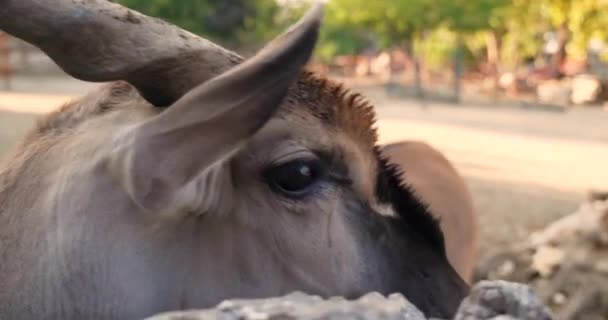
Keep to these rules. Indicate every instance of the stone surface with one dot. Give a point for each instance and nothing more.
(502, 300)
(554, 91)
(566, 262)
(586, 89)
(496, 300)
(302, 306)
(547, 259)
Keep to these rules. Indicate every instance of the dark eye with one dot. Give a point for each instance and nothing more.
(295, 179)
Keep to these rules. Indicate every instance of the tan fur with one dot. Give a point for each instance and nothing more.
(258, 182)
(439, 185)
(47, 171)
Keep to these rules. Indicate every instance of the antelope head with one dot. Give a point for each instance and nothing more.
(195, 175)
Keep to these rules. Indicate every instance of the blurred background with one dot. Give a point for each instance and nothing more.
(514, 92)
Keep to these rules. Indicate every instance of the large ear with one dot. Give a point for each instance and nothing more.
(211, 122)
(98, 40)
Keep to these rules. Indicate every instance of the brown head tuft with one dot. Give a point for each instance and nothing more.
(337, 107)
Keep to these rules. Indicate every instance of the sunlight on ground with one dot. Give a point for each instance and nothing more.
(568, 166)
(32, 103)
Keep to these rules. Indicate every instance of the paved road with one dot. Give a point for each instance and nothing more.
(565, 151)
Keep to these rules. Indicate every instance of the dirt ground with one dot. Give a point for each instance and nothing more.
(524, 167)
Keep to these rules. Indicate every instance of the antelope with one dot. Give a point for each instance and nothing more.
(193, 175)
(436, 182)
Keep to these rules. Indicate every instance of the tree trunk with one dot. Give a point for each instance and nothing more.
(458, 65)
(418, 78)
(409, 48)
(389, 77)
(493, 52)
(558, 59)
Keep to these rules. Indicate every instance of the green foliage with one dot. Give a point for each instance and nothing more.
(433, 29)
(437, 47)
(335, 41)
(394, 22)
(342, 33)
(240, 22)
(470, 16)
(586, 19)
(520, 28)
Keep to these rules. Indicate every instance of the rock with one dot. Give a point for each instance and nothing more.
(589, 221)
(566, 263)
(302, 306)
(506, 80)
(506, 268)
(488, 300)
(554, 91)
(585, 89)
(502, 300)
(601, 266)
(546, 259)
(597, 195)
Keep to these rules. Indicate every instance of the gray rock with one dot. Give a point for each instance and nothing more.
(573, 282)
(502, 300)
(496, 300)
(302, 306)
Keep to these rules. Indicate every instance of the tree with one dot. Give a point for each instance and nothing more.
(522, 24)
(466, 18)
(235, 22)
(575, 23)
(396, 23)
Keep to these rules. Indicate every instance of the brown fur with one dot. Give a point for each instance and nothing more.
(433, 178)
(70, 142)
(338, 107)
(427, 171)
(255, 183)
